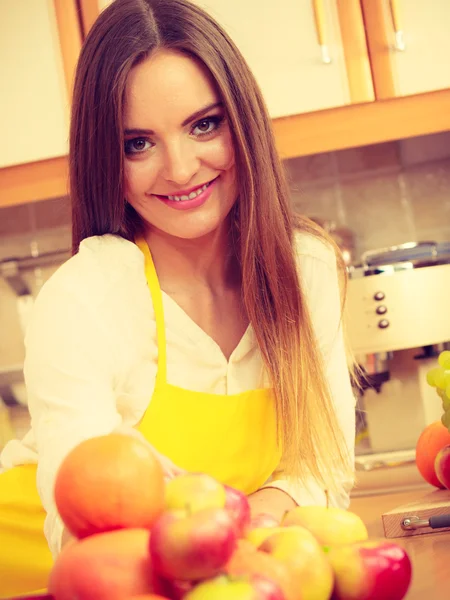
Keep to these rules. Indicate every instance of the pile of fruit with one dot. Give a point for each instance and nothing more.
(137, 536)
(433, 445)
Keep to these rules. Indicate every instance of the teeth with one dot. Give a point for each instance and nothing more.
(191, 196)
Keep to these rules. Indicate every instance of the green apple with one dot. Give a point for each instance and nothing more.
(297, 548)
(247, 561)
(226, 588)
(222, 588)
(370, 570)
(192, 546)
(194, 491)
(330, 526)
(257, 535)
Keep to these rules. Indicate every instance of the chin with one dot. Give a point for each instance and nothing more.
(196, 226)
(195, 232)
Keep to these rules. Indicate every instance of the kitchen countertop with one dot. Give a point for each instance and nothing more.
(429, 553)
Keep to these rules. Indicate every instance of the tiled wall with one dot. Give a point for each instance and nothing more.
(26, 230)
(384, 195)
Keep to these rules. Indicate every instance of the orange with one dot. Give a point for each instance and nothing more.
(109, 482)
(434, 437)
(106, 566)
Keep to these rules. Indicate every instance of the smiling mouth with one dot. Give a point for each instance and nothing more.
(185, 197)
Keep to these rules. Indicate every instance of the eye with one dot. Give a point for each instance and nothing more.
(207, 126)
(137, 146)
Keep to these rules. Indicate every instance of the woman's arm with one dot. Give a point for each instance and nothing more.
(272, 501)
(68, 369)
(75, 351)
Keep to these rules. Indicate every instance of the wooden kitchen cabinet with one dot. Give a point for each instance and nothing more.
(89, 11)
(409, 44)
(282, 49)
(316, 107)
(40, 41)
(298, 96)
(34, 101)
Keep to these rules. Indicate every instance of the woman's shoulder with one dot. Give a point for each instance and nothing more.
(101, 263)
(311, 247)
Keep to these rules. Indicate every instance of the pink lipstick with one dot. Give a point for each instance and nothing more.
(188, 199)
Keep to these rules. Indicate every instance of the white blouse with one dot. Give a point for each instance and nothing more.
(91, 359)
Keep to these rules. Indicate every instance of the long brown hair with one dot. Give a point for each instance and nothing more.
(125, 33)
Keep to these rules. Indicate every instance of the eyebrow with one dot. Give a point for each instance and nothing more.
(197, 115)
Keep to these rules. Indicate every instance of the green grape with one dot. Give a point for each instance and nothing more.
(446, 402)
(440, 379)
(431, 376)
(447, 379)
(440, 393)
(445, 419)
(444, 359)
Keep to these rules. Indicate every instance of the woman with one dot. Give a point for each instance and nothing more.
(195, 310)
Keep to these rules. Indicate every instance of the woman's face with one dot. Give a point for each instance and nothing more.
(179, 158)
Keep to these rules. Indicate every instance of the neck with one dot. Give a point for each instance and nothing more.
(209, 261)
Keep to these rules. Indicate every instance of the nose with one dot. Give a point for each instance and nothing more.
(181, 162)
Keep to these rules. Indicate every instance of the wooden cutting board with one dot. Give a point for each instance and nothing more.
(430, 505)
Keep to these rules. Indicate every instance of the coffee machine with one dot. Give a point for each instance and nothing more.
(398, 321)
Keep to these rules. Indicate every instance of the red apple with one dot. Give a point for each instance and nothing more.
(105, 566)
(237, 505)
(370, 570)
(442, 466)
(177, 589)
(192, 546)
(195, 491)
(297, 548)
(226, 588)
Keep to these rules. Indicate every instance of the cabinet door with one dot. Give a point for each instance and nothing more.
(280, 44)
(90, 9)
(422, 63)
(33, 94)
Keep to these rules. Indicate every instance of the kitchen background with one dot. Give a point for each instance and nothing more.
(366, 141)
(375, 196)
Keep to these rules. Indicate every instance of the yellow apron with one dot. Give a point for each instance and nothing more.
(233, 438)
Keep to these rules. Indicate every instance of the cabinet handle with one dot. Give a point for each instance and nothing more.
(398, 31)
(319, 17)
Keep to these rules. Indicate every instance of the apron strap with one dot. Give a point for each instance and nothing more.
(155, 292)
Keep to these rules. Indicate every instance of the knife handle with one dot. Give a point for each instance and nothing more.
(440, 521)
(415, 522)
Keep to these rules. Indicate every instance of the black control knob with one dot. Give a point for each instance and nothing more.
(381, 310)
(383, 324)
(379, 296)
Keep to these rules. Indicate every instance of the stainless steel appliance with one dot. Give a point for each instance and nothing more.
(398, 320)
